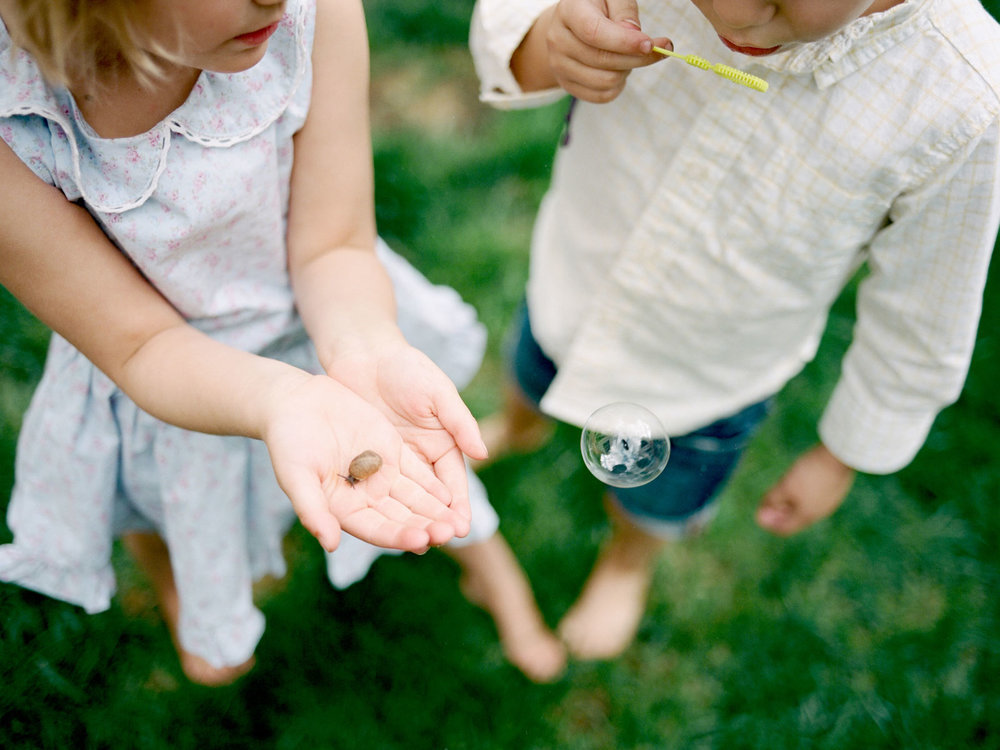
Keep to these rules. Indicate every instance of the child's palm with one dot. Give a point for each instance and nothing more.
(424, 406)
(317, 431)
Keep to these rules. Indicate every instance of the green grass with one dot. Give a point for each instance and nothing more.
(879, 628)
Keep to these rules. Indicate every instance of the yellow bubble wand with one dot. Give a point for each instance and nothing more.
(726, 71)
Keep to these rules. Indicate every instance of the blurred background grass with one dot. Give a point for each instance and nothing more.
(877, 629)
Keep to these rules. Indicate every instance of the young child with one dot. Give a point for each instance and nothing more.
(696, 233)
(180, 181)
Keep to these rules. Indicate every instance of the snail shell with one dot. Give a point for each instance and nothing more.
(363, 466)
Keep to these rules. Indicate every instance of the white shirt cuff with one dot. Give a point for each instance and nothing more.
(867, 436)
(498, 27)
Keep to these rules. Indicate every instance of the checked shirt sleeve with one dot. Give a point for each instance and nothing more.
(498, 28)
(917, 313)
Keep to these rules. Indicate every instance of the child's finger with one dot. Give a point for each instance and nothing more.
(615, 29)
(422, 474)
(777, 512)
(663, 43)
(456, 418)
(568, 47)
(428, 509)
(438, 530)
(309, 501)
(384, 521)
(773, 519)
(626, 11)
(450, 468)
(372, 526)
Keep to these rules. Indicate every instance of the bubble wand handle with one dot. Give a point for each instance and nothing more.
(726, 71)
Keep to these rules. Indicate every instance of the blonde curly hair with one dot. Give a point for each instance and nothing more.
(81, 41)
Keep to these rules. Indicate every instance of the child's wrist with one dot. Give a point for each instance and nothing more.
(275, 395)
(835, 463)
(359, 343)
(529, 63)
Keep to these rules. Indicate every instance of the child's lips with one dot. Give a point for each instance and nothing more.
(751, 51)
(259, 36)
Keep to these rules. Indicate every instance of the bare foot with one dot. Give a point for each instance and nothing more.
(493, 579)
(604, 620)
(201, 672)
(152, 555)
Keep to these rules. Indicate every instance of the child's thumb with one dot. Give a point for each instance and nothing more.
(456, 418)
(626, 13)
(311, 506)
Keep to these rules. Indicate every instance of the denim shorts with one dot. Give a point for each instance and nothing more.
(682, 499)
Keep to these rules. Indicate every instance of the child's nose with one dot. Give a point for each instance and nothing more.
(744, 14)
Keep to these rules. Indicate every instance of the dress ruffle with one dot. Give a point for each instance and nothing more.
(213, 499)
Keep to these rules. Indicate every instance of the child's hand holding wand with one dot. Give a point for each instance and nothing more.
(588, 47)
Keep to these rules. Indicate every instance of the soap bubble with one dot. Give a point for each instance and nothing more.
(624, 445)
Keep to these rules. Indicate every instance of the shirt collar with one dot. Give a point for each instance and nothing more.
(835, 57)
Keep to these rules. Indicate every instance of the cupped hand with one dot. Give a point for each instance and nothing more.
(313, 430)
(811, 490)
(421, 402)
(593, 45)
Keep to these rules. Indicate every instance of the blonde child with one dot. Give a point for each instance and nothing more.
(696, 233)
(185, 191)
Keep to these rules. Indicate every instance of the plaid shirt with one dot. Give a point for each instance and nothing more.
(696, 232)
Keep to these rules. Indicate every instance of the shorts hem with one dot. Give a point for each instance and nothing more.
(669, 529)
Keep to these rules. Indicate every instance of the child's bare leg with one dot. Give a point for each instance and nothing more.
(518, 428)
(152, 555)
(605, 618)
(493, 579)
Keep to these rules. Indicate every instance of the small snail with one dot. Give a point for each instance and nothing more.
(363, 466)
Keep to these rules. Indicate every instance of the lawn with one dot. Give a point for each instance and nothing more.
(879, 628)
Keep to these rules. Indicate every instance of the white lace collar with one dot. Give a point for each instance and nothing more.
(222, 109)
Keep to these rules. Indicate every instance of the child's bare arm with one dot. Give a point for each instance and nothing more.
(342, 292)
(588, 47)
(55, 259)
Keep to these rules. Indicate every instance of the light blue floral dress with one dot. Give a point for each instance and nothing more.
(199, 204)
